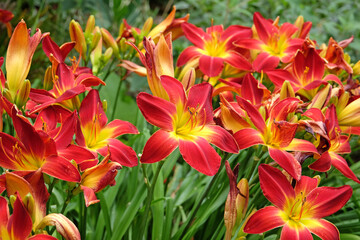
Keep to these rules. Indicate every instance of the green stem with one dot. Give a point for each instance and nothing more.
(117, 97)
(105, 210)
(51, 187)
(151, 189)
(196, 207)
(107, 73)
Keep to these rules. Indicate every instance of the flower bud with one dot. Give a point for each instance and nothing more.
(23, 94)
(96, 38)
(147, 26)
(286, 90)
(90, 25)
(77, 35)
(321, 98)
(48, 83)
(109, 41)
(104, 105)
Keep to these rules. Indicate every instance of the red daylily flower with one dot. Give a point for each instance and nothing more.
(185, 121)
(34, 150)
(338, 144)
(334, 54)
(5, 17)
(275, 133)
(97, 135)
(214, 47)
(96, 178)
(274, 43)
(305, 74)
(299, 210)
(65, 90)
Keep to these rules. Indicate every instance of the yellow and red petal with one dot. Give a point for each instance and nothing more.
(91, 109)
(253, 114)
(279, 76)
(120, 153)
(101, 175)
(88, 80)
(248, 137)
(287, 161)
(200, 155)
(340, 164)
(295, 231)
(174, 89)
(264, 220)
(249, 44)
(42, 237)
(211, 66)
(275, 186)
(300, 145)
(19, 55)
(89, 196)
(194, 34)
(255, 91)
(82, 156)
(305, 185)
(322, 228)
(158, 147)
(220, 138)
(324, 201)
(61, 168)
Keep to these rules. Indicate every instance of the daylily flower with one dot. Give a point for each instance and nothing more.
(18, 60)
(299, 210)
(214, 47)
(185, 121)
(305, 74)
(273, 44)
(99, 136)
(33, 150)
(276, 133)
(336, 144)
(334, 54)
(96, 178)
(65, 90)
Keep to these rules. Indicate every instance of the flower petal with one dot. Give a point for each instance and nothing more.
(237, 60)
(265, 61)
(20, 224)
(200, 155)
(61, 168)
(89, 196)
(248, 137)
(253, 114)
(119, 127)
(174, 89)
(188, 54)
(155, 150)
(220, 138)
(305, 185)
(199, 97)
(194, 34)
(156, 111)
(211, 66)
(295, 232)
(264, 220)
(301, 146)
(323, 164)
(275, 186)
(286, 161)
(120, 153)
(322, 228)
(91, 108)
(325, 201)
(340, 164)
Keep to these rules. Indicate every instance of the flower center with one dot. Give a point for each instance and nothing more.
(214, 47)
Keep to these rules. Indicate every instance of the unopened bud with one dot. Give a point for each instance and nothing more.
(48, 83)
(147, 26)
(90, 24)
(96, 38)
(242, 199)
(104, 105)
(107, 55)
(23, 94)
(109, 41)
(343, 101)
(77, 35)
(321, 98)
(189, 79)
(286, 90)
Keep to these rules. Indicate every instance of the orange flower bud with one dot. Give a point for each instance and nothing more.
(63, 225)
(48, 83)
(109, 41)
(23, 94)
(77, 35)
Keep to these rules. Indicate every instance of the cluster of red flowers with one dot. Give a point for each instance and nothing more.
(272, 83)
